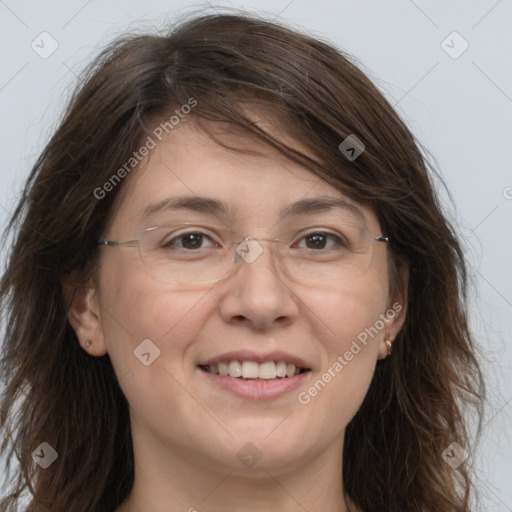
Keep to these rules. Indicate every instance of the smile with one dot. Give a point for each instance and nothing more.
(270, 386)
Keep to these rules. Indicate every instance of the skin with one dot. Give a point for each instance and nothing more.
(186, 432)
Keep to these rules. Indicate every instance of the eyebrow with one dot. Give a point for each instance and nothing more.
(212, 206)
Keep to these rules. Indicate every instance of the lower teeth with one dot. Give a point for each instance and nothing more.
(243, 378)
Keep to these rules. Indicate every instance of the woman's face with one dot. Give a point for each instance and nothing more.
(159, 334)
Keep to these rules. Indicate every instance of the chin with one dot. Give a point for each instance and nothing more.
(263, 449)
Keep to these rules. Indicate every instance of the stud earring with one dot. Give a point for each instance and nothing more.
(88, 343)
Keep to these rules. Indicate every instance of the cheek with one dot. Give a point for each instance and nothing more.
(345, 313)
(135, 307)
(349, 328)
(143, 316)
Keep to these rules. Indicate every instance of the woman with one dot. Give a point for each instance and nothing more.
(232, 287)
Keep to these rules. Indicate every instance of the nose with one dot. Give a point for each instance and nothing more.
(256, 292)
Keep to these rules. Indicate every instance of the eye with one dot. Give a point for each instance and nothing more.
(319, 240)
(188, 241)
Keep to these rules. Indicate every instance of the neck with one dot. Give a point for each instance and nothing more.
(179, 482)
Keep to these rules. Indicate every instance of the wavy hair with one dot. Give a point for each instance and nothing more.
(419, 400)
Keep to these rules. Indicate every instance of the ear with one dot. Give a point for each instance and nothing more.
(396, 311)
(84, 315)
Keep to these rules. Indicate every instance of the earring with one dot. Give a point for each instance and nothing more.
(88, 343)
(389, 344)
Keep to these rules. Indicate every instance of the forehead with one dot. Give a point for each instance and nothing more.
(250, 182)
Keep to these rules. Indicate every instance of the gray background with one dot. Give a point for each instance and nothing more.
(459, 108)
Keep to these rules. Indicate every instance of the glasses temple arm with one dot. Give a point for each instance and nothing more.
(114, 243)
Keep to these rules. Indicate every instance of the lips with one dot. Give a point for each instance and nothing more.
(255, 389)
(252, 367)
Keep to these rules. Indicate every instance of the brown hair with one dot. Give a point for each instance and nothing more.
(54, 392)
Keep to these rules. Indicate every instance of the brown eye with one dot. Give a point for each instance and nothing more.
(322, 240)
(316, 241)
(192, 240)
(189, 241)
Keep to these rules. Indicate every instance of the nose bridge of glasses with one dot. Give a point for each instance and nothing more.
(250, 248)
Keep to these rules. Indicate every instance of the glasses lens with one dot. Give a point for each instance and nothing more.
(329, 256)
(194, 255)
(184, 254)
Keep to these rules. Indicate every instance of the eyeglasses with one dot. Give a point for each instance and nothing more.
(190, 254)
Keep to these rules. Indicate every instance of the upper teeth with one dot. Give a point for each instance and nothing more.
(253, 370)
